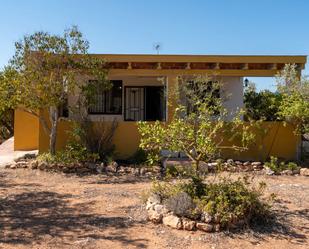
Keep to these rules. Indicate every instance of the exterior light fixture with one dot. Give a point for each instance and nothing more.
(246, 82)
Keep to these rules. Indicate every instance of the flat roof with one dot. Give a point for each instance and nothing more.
(301, 59)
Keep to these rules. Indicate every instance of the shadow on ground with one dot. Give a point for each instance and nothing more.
(277, 226)
(29, 216)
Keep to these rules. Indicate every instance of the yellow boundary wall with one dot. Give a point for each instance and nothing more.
(277, 140)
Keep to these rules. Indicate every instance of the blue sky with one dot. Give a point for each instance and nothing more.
(182, 27)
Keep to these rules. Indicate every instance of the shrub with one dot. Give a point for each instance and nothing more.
(96, 137)
(73, 153)
(139, 157)
(198, 125)
(278, 167)
(229, 201)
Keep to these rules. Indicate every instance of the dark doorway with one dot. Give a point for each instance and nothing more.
(145, 103)
(154, 98)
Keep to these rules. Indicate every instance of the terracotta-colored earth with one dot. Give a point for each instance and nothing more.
(52, 210)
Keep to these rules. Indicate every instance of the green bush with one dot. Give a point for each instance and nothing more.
(139, 157)
(278, 167)
(73, 153)
(227, 200)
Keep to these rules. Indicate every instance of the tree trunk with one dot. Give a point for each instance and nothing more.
(53, 115)
(196, 167)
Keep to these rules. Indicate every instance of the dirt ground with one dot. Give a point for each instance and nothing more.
(52, 210)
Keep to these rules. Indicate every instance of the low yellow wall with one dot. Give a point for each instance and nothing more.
(271, 139)
(26, 131)
(278, 140)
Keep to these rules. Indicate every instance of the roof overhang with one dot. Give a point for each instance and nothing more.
(240, 65)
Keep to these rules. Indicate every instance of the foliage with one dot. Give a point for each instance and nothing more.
(294, 106)
(6, 107)
(6, 124)
(262, 105)
(96, 137)
(225, 199)
(275, 165)
(44, 69)
(199, 124)
(140, 157)
(74, 151)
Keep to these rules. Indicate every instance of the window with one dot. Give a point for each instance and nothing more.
(145, 103)
(108, 101)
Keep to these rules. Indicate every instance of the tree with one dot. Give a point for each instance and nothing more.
(45, 68)
(201, 126)
(261, 105)
(294, 107)
(6, 111)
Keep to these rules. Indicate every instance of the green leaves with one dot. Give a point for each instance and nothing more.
(200, 127)
(294, 107)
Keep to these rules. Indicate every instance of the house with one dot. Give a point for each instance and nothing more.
(139, 80)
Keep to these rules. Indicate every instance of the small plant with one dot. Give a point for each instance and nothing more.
(278, 167)
(227, 201)
(139, 157)
(96, 137)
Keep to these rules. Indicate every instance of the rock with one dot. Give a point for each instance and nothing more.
(238, 163)
(160, 209)
(180, 204)
(296, 171)
(42, 165)
(230, 161)
(246, 163)
(304, 172)
(172, 221)
(188, 224)
(206, 217)
(154, 199)
(156, 169)
(256, 164)
(13, 166)
(217, 218)
(212, 165)
(34, 164)
(91, 166)
(154, 216)
(7, 166)
(217, 227)
(287, 172)
(150, 205)
(21, 164)
(113, 167)
(204, 227)
(143, 171)
(269, 172)
(100, 168)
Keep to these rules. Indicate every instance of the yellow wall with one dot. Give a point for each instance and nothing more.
(26, 131)
(279, 141)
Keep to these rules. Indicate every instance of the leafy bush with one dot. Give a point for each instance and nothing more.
(179, 171)
(74, 152)
(261, 105)
(6, 124)
(227, 200)
(139, 157)
(278, 167)
(96, 137)
(198, 125)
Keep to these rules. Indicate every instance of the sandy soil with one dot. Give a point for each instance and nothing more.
(52, 210)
